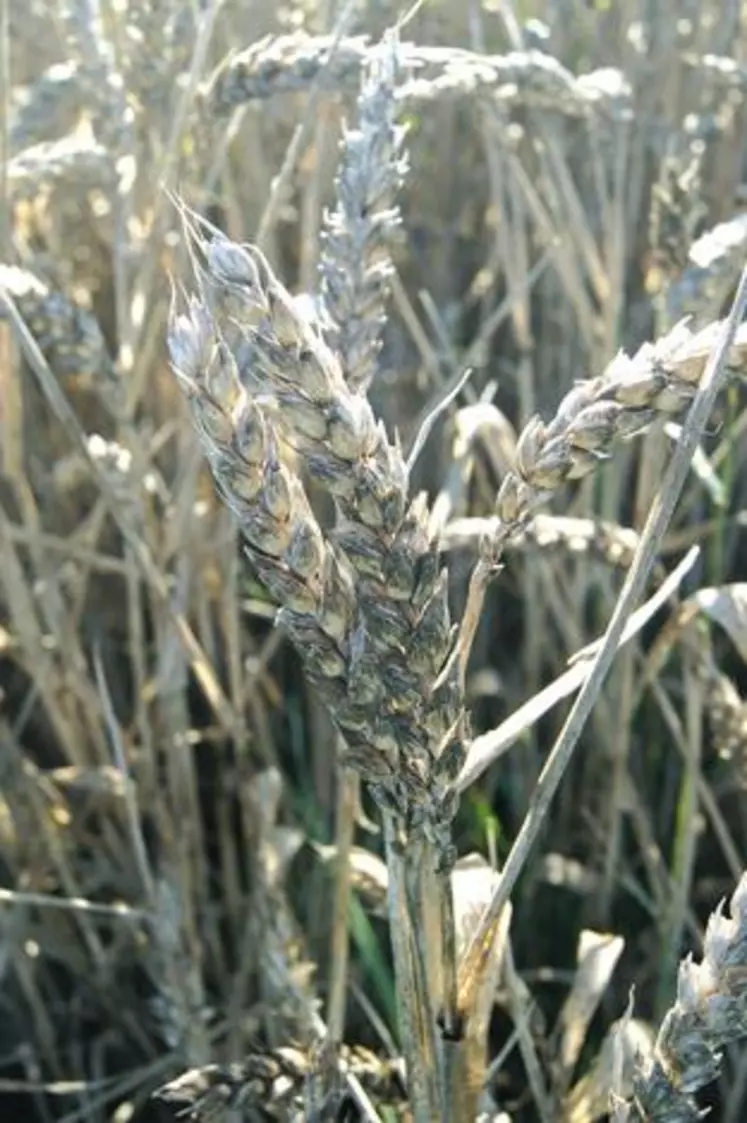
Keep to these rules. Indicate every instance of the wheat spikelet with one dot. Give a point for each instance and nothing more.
(273, 1082)
(658, 381)
(529, 78)
(720, 70)
(727, 716)
(247, 355)
(355, 267)
(275, 1085)
(75, 161)
(301, 570)
(677, 210)
(714, 262)
(69, 336)
(48, 107)
(710, 1012)
(157, 42)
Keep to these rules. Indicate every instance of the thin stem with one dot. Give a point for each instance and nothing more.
(149, 274)
(684, 844)
(478, 585)
(348, 785)
(450, 1011)
(414, 857)
(282, 180)
(5, 222)
(11, 398)
(486, 749)
(452, 1097)
(417, 1041)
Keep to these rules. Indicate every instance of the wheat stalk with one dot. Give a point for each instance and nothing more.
(355, 272)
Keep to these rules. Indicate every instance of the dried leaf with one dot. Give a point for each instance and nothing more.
(727, 606)
(597, 958)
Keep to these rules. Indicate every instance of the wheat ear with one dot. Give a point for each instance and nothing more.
(658, 381)
(368, 612)
(710, 1012)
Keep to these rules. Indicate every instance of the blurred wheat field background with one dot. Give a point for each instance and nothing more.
(347, 352)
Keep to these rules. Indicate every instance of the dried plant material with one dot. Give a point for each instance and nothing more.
(277, 1085)
(260, 379)
(286, 974)
(368, 875)
(592, 418)
(677, 210)
(488, 747)
(264, 1086)
(487, 426)
(614, 545)
(156, 44)
(11, 411)
(562, 872)
(719, 69)
(726, 606)
(104, 785)
(702, 468)
(474, 882)
(714, 376)
(152, 914)
(178, 1004)
(625, 1043)
(597, 957)
(481, 427)
(104, 91)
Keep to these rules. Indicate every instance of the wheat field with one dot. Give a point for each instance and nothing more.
(373, 561)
